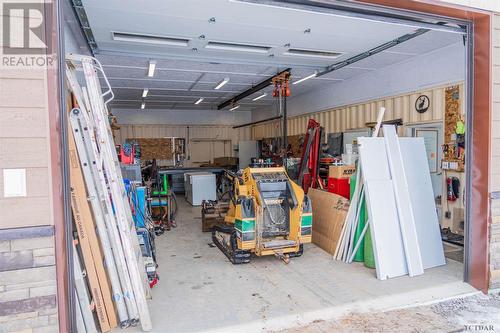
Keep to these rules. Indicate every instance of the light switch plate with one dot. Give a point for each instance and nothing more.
(14, 183)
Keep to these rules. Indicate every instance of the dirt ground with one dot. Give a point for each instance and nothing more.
(479, 313)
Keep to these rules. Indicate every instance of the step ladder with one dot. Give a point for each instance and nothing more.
(102, 171)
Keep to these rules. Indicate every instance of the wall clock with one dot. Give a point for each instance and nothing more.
(422, 103)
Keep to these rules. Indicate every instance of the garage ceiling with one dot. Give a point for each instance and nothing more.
(198, 43)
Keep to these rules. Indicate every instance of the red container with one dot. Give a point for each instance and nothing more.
(339, 186)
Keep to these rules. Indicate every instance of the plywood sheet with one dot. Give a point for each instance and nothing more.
(423, 205)
(154, 148)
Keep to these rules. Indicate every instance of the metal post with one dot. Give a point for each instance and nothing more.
(285, 129)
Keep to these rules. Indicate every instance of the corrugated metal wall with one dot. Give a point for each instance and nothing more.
(355, 116)
(198, 132)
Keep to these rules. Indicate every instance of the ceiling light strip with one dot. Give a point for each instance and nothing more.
(222, 83)
(305, 78)
(143, 105)
(199, 101)
(259, 97)
(234, 108)
(151, 68)
(145, 92)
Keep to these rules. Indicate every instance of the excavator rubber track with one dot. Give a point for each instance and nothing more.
(235, 255)
(298, 253)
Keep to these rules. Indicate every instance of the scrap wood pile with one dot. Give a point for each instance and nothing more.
(110, 279)
(393, 180)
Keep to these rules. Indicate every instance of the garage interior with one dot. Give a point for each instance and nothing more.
(202, 91)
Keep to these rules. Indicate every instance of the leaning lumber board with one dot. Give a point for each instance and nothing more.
(83, 219)
(388, 247)
(385, 230)
(403, 201)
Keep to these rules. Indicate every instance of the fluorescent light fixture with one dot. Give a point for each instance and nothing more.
(152, 67)
(222, 83)
(312, 53)
(199, 101)
(150, 39)
(143, 105)
(234, 108)
(305, 78)
(259, 97)
(237, 47)
(145, 92)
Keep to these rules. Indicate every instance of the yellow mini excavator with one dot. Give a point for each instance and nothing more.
(268, 215)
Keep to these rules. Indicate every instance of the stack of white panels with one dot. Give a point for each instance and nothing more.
(402, 214)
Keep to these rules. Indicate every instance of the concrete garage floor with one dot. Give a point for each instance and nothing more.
(201, 291)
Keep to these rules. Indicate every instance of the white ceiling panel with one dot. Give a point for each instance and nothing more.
(185, 73)
(226, 88)
(427, 42)
(173, 85)
(381, 60)
(141, 73)
(346, 73)
(240, 79)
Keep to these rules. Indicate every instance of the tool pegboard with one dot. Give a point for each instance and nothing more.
(454, 136)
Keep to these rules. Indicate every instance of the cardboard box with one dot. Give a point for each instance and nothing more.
(341, 171)
(226, 161)
(329, 214)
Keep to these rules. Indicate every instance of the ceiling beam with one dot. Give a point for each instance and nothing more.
(265, 83)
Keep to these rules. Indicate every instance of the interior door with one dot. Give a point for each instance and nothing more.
(200, 152)
(219, 149)
(433, 138)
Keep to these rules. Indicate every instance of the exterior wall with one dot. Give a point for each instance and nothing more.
(495, 160)
(24, 144)
(27, 263)
(490, 5)
(28, 280)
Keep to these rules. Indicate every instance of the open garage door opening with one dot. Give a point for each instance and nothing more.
(228, 114)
